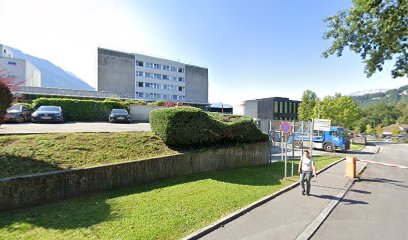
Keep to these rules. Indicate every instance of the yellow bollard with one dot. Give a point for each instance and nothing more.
(351, 166)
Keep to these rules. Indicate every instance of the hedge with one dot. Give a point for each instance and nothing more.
(187, 126)
(82, 110)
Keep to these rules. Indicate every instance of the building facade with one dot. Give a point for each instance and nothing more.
(274, 108)
(22, 71)
(150, 78)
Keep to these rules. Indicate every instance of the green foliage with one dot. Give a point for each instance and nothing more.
(167, 209)
(395, 130)
(136, 102)
(403, 109)
(309, 101)
(82, 110)
(379, 130)
(369, 129)
(377, 30)
(159, 103)
(341, 110)
(188, 126)
(380, 114)
(28, 154)
(6, 98)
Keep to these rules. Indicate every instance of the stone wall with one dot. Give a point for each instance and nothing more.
(16, 192)
(141, 113)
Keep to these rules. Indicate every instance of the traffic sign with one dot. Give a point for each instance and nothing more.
(286, 127)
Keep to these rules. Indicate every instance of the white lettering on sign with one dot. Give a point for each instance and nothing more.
(321, 124)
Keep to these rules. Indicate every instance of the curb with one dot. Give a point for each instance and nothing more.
(220, 223)
(312, 228)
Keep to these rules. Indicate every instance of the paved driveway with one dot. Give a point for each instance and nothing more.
(22, 128)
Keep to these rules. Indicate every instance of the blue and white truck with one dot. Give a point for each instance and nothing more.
(335, 139)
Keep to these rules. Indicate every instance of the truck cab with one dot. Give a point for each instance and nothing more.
(336, 138)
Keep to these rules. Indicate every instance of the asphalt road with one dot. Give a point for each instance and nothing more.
(382, 209)
(22, 128)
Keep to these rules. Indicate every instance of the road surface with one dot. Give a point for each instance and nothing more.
(382, 209)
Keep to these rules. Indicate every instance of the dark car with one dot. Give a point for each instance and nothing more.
(48, 114)
(119, 115)
(17, 113)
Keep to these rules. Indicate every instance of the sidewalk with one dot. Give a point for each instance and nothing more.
(287, 216)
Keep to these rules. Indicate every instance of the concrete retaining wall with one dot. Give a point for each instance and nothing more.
(41, 188)
(141, 113)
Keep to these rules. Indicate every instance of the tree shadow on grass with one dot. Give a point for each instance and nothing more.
(13, 165)
(94, 208)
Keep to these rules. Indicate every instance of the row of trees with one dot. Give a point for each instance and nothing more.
(343, 111)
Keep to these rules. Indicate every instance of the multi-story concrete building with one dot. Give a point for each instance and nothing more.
(274, 108)
(151, 78)
(22, 71)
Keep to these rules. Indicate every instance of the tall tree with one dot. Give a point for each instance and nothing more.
(375, 29)
(341, 110)
(309, 101)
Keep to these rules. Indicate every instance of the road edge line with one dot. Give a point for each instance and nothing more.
(312, 228)
(223, 221)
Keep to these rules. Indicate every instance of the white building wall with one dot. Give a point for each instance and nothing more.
(24, 72)
(149, 93)
(251, 108)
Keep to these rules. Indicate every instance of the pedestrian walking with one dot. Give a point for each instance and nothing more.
(306, 170)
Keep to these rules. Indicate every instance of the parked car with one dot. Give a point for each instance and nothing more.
(17, 113)
(119, 115)
(48, 114)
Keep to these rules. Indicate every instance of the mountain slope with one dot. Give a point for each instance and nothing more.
(52, 75)
(392, 96)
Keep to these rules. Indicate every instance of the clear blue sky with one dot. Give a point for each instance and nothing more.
(258, 48)
(253, 49)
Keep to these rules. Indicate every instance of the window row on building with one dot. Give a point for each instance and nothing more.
(160, 86)
(146, 95)
(159, 76)
(159, 66)
(285, 107)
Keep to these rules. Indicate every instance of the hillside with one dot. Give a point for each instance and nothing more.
(52, 75)
(392, 96)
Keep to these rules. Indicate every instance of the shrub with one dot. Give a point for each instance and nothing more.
(82, 110)
(184, 126)
(159, 103)
(6, 99)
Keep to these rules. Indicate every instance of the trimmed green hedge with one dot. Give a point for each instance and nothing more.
(82, 110)
(184, 126)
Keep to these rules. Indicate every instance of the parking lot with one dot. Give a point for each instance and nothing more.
(22, 128)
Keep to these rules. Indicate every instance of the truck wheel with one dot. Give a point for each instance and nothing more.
(328, 147)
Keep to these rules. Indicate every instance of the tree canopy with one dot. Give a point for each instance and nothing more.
(375, 29)
(341, 110)
(309, 100)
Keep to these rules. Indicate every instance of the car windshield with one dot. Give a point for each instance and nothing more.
(119, 111)
(49, 108)
(14, 108)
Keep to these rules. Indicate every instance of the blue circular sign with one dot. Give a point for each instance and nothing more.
(286, 127)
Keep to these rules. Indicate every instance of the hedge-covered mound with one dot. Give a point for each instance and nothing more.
(82, 110)
(183, 126)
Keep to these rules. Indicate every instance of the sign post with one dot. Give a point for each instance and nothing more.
(286, 128)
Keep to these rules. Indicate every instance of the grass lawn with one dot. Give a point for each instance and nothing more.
(356, 146)
(169, 209)
(26, 154)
